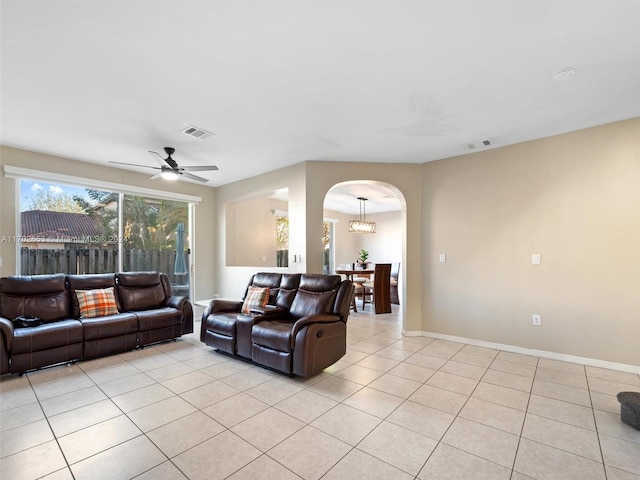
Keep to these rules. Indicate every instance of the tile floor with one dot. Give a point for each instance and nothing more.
(393, 408)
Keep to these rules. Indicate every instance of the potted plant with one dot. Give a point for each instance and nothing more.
(362, 258)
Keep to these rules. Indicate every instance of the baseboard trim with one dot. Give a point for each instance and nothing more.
(592, 362)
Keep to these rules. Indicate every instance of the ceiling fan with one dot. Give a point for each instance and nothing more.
(170, 170)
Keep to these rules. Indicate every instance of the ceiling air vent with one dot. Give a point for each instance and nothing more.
(196, 132)
(478, 144)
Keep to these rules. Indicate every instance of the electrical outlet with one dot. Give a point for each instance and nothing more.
(443, 258)
(536, 320)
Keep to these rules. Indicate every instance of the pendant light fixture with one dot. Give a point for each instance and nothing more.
(361, 225)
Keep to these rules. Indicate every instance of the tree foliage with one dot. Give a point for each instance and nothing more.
(44, 199)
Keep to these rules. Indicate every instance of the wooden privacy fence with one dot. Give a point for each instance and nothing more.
(98, 260)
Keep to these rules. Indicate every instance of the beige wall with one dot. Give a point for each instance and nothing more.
(204, 227)
(574, 199)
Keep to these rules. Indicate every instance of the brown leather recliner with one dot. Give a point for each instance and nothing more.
(301, 331)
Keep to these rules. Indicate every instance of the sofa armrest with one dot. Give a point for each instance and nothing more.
(221, 305)
(269, 310)
(176, 302)
(309, 320)
(6, 327)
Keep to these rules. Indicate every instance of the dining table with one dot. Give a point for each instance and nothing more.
(355, 275)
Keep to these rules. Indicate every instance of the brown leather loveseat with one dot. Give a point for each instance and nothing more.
(300, 331)
(79, 323)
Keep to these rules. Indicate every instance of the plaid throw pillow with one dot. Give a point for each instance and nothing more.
(257, 297)
(97, 303)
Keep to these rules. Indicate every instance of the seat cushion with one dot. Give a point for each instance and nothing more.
(222, 323)
(273, 334)
(47, 336)
(109, 326)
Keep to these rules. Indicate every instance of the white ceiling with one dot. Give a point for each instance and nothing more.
(284, 81)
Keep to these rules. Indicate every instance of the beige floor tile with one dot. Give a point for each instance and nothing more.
(359, 374)
(225, 369)
(182, 434)
(425, 361)
(449, 463)
(379, 363)
(613, 375)
(480, 351)
(435, 397)
(264, 468)
(609, 387)
(127, 384)
(275, 390)
(268, 428)
(570, 413)
(150, 360)
(309, 453)
(407, 345)
(509, 380)
(24, 437)
(366, 347)
(562, 377)
(463, 370)
(335, 388)
(63, 474)
(346, 423)
(518, 358)
(513, 367)
(560, 435)
(336, 367)
(374, 402)
(394, 353)
(306, 406)
(235, 409)
(617, 474)
(493, 415)
(16, 417)
(142, 397)
(486, 442)
(453, 383)
(171, 371)
(72, 400)
(15, 392)
(471, 359)
(210, 359)
(401, 387)
(126, 460)
(187, 382)
(97, 438)
(561, 392)
(398, 446)
(248, 378)
(419, 418)
(611, 424)
(568, 367)
(21, 466)
(604, 402)
(507, 397)
(442, 349)
(83, 417)
(621, 454)
(109, 372)
(164, 471)
(160, 413)
(412, 372)
(231, 454)
(541, 461)
(354, 356)
(208, 394)
(358, 465)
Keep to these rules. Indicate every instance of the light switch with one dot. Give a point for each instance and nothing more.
(535, 259)
(443, 258)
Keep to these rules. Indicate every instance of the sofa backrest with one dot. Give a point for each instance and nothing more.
(42, 296)
(316, 294)
(141, 290)
(268, 280)
(89, 282)
(288, 288)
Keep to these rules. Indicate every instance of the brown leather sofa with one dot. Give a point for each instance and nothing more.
(301, 331)
(146, 313)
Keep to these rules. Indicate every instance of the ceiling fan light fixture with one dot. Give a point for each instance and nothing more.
(361, 225)
(169, 175)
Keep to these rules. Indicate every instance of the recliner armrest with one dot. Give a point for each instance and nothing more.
(176, 301)
(221, 305)
(6, 327)
(309, 320)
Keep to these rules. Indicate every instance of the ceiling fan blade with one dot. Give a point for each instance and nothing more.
(157, 175)
(134, 165)
(158, 158)
(199, 168)
(194, 177)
